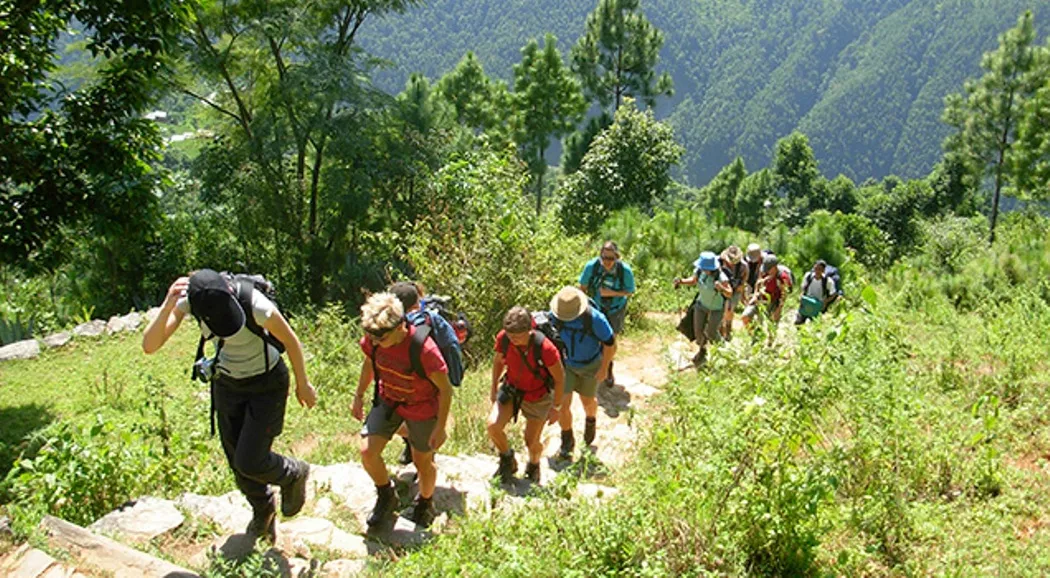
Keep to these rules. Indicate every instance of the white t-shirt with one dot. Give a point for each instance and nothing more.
(242, 353)
(816, 287)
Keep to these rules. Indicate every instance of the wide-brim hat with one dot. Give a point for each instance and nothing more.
(212, 301)
(707, 261)
(733, 254)
(569, 303)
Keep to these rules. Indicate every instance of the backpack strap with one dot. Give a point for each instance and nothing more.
(415, 349)
(504, 345)
(806, 282)
(244, 298)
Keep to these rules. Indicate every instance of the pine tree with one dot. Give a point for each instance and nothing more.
(548, 103)
(988, 114)
(479, 102)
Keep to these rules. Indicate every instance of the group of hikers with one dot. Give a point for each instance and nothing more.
(412, 361)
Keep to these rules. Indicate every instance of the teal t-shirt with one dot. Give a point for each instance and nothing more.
(621, 278)
(707, 295)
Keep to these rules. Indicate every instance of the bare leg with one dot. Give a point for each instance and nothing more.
(372, 459)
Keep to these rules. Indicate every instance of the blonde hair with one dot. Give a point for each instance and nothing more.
(517, 320)
(381, 311)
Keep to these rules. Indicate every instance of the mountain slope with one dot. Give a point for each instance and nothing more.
(864, 79)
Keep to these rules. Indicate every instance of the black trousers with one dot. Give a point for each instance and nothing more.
(250, 415)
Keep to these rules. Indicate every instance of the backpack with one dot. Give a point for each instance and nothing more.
(597, 274)
(458, 321)
(830, 272)
(551, 327)
(536, 346)
(791, 276)
(446, 339)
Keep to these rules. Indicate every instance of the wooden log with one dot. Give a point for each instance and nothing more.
(107, 555)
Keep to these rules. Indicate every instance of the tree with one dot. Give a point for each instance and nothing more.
(80, 158)
(479, 102)
(548, 102)
(1032, 163)
(616, 57)
(628, 165)
(718, 198)
(795, 170)
(753, 197)
(297, 160)
(987, 115)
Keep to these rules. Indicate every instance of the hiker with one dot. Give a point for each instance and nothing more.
(819, 291)
(754, 267)
(609, 282)
(737, 271)
(590, 346)
(527, 376)
(713, 290)
(411, 385)
(772, 285)
(249, 384)
(411, 296)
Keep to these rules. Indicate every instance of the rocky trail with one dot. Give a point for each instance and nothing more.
(181, 537)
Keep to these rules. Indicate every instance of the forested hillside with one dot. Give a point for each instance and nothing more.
(865, 80)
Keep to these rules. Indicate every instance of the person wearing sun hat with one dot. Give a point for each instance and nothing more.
(249, 386)
(713, 290)
(738, 273)
(590, 347)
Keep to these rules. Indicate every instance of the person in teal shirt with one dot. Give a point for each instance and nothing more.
(609, 282)
(709, 306)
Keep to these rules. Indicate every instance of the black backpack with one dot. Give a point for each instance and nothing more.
(536, 346)
(830, 272)
(458, 320)
(551, 327)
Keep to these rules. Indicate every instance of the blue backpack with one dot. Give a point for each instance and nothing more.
(433, 325)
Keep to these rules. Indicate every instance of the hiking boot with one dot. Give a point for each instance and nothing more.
(568, 443)
(386, 502)
(532, 472)
(422, 512)
(406, 454)
(264, 522)
(589, 426)
(293, 494)
(508, 466)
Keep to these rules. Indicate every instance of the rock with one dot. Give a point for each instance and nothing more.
(142, 521)
(27, 562)
(25, 349)
(115, 325)
(132, 321)
(342, 568)
(319, 532)
(106, 557)
(323, 507)
(5, 527)
(90, 329)
(298, 567)
(230, 512)
(58, 339)
(349, 482)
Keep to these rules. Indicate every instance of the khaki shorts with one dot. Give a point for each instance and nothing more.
(581, 379)
(383, 421)
(538, 409)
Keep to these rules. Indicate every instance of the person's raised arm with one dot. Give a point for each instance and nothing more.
(278, 326)
(169, 318)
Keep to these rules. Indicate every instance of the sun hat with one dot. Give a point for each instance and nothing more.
(212, 301)
(708, 261)
(754, 248)
(733, 254)
(569, 303)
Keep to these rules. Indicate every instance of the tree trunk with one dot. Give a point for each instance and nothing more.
(539, 182)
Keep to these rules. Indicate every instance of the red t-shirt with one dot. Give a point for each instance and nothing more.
(518, 374)
(415, 396)
(774, 284)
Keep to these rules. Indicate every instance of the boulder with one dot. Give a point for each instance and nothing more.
(132, 321)
(26, 349)
(303, 532)
(230, 512)
(90, 329)
(115, 325)
(140, 521)
(58, 339)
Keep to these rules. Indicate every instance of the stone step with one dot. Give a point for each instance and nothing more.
(106, 555)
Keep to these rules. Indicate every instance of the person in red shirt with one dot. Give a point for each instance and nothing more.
(412, 387)
(527, 376)
(773, 283)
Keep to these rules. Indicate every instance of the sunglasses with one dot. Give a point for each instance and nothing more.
(381, 333)
(608, 258)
